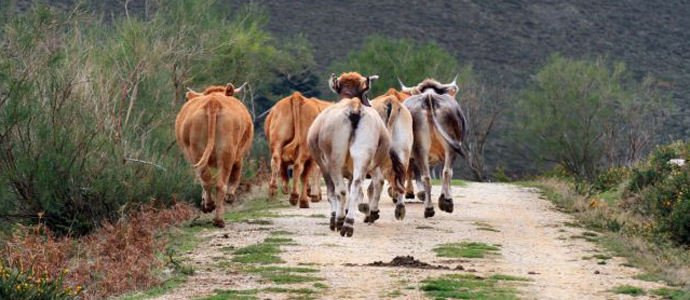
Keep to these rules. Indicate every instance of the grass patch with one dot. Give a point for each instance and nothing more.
(466, 286)
(671, 293)
(504, 277)
(488, 229)
(232, 295)
(264, 253)
(255, 211)
(584, 237)
(317, 216)
(424, 227)
(284, 275)
(281, 232)
(628, 290)
(320, 285)
(466, 250)
(453, 182)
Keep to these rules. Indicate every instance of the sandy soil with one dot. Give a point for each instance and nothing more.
(534, 242)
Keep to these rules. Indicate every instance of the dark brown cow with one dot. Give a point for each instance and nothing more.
(215, 130)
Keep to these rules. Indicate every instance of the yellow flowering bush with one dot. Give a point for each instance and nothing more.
(20, 283)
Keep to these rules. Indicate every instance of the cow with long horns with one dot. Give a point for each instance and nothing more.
(352, 85)
(439, 128)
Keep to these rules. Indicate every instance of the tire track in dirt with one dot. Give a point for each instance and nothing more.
(533, 240)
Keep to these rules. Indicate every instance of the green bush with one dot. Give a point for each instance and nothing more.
(588, 116)
(17, 284)
(87, 108)
(399, 58)
(664, 191)
(610, 178)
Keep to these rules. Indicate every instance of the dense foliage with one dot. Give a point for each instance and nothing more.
(587, 116)
(87, 108)
(399, 58)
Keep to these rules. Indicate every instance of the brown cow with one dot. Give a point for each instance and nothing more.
(286, 128)
(352, 85)
(215, 130)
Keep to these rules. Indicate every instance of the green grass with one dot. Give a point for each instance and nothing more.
(504, 277)
(453, 182)
(466, 286)
(628, 290)
(232, 295)
(320, 285)
(281, 232)
(424, 227)
(488, 229)
(264, 253)
(284, 275)
(466, 250)
(318, 216)
(671, 293)
(255, 211)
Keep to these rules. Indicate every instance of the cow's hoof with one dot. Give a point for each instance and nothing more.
(272, 191)
(409, 195)
(208, 207)
(363, 208)
(339, 223)
(399, 212)
(294, 198)
(229, 198)
(315, 198)
(332, 221)
(429, 212)
(285, 189)
(348, 229)
(421, 196)
(304, 203)
(372, 217)
(445, 204)
(219, 223)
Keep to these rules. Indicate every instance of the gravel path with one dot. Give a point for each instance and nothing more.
(534, 243)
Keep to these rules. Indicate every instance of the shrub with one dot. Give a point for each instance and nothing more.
(664, 191)
(87, 108)
(116, 258)
(587, 116)
(19, 284)
(399, 58)
(610, 178)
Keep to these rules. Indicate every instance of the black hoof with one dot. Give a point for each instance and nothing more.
(207, 208)
(348, 228)
(429, 212)
(339, 223)
(372, 217)
(363, 208)
(229, 198)
(409, 195)
(219, 223)
(399, 212)
(421, 196)
(445, 204)
(332, 221)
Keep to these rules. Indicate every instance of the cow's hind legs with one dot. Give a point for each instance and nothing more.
(445, 201)
(206, 178)
(376, 187)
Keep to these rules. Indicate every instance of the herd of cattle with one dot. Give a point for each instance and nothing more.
(394, 137)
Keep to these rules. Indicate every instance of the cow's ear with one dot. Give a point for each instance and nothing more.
(333, 84)
(229, 90)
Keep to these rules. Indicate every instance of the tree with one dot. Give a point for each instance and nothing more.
(399, 58)
(585, 116)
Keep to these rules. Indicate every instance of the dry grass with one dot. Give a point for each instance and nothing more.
(624, 233)
(116, 258)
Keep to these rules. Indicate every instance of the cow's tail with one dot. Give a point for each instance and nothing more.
(212, 109)
(456, 145)
(296, 101)
(355, 113)
(398, 170)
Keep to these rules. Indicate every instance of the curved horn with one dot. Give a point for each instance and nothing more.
(452, 85)
(333, 83)
(404, 88)
(239, 89)
(191, 90)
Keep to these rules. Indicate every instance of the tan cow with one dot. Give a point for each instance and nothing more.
(439, 128)
(398, 121)
(215, 130)
(286, 128)
(352, 85)
(348, 140)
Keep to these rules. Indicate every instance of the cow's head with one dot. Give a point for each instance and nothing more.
(431, 84)
(228, 90)
(351, 85)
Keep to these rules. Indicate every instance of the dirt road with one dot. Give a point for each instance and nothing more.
(534, 241)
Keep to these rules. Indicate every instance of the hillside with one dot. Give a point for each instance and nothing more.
(506, 41)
